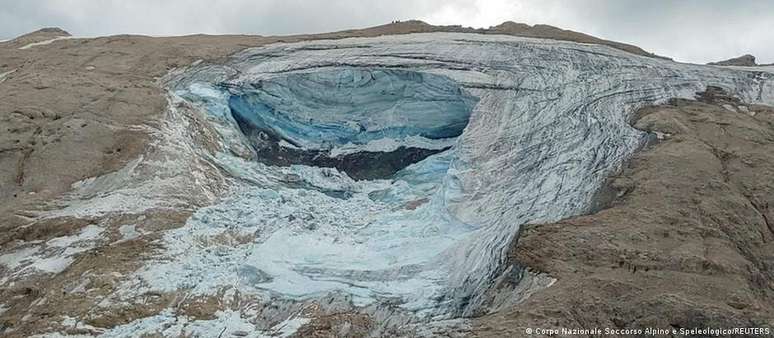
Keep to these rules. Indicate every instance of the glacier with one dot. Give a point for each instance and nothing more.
(531, 128)
(392, 173)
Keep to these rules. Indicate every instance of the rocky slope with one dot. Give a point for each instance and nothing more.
(144, 197)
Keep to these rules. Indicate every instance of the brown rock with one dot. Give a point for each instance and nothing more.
(746, 60)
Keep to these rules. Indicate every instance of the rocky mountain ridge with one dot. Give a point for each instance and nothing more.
(746, 60)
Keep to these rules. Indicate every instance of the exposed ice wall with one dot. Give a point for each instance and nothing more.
(366, 122)
(319, 110)
(549, 125)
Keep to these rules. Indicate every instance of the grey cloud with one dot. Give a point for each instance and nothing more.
(177, 17)
(690, 30)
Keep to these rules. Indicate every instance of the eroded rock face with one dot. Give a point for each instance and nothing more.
(746, 60)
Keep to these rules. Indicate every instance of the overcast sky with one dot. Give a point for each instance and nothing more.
(687, 30)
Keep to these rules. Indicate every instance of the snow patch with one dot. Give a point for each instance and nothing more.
(18, 257)
(46, 42)
(391, 144)
(5, 74)
(226, 324)
(128, 232)
(289, 326)
(53, 256)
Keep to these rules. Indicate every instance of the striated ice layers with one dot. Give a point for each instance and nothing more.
(368, 123)
(482, 134)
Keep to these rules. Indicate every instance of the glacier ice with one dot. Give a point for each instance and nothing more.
(353, 105)
(367, 122)
(510, 130)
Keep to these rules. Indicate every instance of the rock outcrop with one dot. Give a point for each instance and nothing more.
(746, 60)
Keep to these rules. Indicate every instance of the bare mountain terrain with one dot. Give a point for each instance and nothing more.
(682, 236)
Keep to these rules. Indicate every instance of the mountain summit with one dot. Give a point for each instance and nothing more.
(746, 60)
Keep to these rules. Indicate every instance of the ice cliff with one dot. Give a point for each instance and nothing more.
(394, 171)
